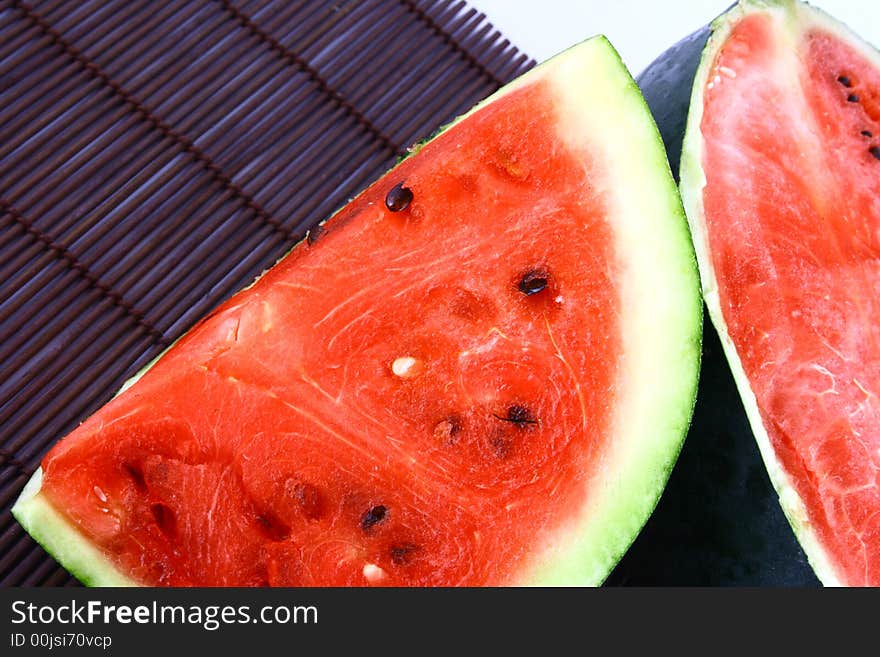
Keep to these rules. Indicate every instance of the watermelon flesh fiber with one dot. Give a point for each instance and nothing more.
(423, 460)
(789, 133)
(437, 418)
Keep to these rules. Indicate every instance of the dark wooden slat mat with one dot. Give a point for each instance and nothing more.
(155, 157)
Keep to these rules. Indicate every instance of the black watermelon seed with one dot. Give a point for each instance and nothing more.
(398, 198)
(314, 234)
(400, 554)
(845, 81)
(853, 98)
(867, 133)
(373, 517)
(533, 282)
(875, 151)
(518, 415)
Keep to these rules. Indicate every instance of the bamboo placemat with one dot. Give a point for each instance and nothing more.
(156, 156)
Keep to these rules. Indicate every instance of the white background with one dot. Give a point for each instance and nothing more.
(639, 29)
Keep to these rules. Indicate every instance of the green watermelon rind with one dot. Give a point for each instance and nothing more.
(62, 540)
(650, 427)
(691, 186)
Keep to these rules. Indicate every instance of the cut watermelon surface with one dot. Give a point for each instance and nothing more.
(780, 176)
(479, 372)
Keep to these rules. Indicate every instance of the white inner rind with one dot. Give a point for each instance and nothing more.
(603, 114)
(789, 19)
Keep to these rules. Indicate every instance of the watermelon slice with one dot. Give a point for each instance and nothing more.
(478, 372)
(780, 177)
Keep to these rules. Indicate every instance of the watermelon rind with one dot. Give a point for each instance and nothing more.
(794, 16)
(60, 538)
(661, 322)
(603, 112)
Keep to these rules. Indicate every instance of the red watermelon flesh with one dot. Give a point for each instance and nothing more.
(789, 217)
(422, 394)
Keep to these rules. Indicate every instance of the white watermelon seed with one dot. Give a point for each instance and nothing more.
(373, 573)
(406, 366)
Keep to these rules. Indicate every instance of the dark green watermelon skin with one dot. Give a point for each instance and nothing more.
(666, 85)
(719, 523)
